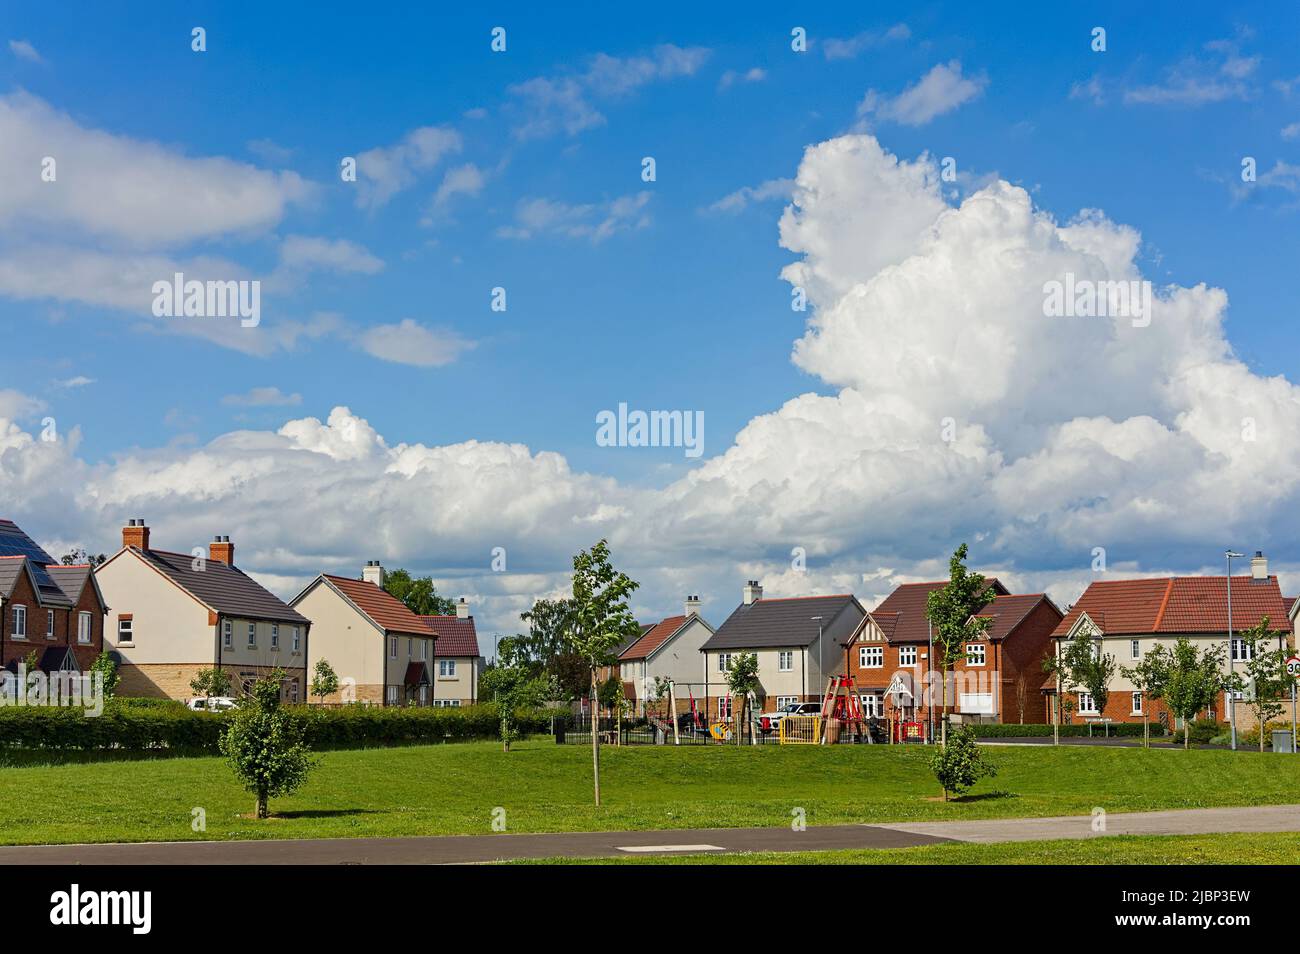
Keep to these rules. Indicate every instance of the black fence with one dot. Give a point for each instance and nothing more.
(576, 730)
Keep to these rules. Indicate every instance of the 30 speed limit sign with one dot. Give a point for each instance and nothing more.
(1293, 667)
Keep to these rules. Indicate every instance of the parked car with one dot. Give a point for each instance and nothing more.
(771, 721)
(212, 704)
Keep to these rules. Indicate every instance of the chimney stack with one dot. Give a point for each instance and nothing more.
(692, 606)
(136, 534)
(462, 609)
(753, 592)
(221, 550)
(373, 572)
(1259, 566)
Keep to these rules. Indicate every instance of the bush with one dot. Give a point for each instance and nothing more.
(140, 725)
(1011, 730)
(1202, 731)
(959, 764)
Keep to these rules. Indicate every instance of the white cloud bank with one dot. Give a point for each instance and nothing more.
(960, 412)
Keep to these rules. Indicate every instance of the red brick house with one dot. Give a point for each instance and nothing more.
(1129, 617)
(56, 611)
(998, 681)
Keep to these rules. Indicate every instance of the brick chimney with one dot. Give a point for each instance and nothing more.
(462, 609)
(753, 592)
(692, 606)
(221, 550)
(1259, 566)
(135, 534)
(373, 572)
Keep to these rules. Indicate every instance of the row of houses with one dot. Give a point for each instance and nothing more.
(168, 615)
(800, 642)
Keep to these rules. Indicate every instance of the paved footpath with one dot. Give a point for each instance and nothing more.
(462, 849)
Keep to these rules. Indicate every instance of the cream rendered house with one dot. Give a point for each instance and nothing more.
(458, 662)
(175, 614)
(799, 641)
(381, 651)
(668, 650)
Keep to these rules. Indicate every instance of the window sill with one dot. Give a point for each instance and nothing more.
(126, 645)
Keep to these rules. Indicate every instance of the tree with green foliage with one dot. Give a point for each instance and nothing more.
(599, 621)
(418, 593)
(105, 666)
(324, 680)
(960, 763)
(79, 556)
(742, 679)
(1148, 678)
(210, 682)
(1081, 665)
(265, 744)
(548, 628)
(1192, 678)
(513, 683)
(1267, 681)
(952, 611)
(609, 693)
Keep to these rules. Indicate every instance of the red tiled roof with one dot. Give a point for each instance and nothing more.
(1179, 604)
(907, 605)
(456, 636)
(417, 674)
(652, 640)
(1008, 612)
(384, 609)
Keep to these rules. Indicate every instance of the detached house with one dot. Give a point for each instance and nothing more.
(176, 614)
(997, 680)
(799, 642)
(1127, 618)
(380, 650)
(56, 611)
(668, 649)
(457, 660)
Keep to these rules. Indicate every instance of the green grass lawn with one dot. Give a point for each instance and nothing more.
(1267, 849)
(452, 789)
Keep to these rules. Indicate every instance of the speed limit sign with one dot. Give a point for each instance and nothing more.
(1293, 667)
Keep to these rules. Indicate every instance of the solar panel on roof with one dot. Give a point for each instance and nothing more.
(13, 542)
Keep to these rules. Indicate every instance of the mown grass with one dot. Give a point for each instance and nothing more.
(1235, 849)
(453, 789)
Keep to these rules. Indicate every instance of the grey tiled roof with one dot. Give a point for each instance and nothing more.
(769, 623)
(71, 579)
(227, 589)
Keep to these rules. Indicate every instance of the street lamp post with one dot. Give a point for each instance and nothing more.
(1229, 556)
(818, 621)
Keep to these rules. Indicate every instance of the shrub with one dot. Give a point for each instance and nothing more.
(1203, 731)
(140, 725)
(959, 764)
(1011, 730)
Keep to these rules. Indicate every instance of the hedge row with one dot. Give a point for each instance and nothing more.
(127, 726)
(1011, 730)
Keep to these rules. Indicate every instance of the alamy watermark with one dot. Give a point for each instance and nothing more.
(1086, 298)
(179, 298)
(63, 688)
(626, 428)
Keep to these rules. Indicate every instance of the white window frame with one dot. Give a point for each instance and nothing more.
(410, 647)
(1241, 650)
(977, 654)
(873, 704)
(275, 635)
(85, 628)
(392, 647)
(390, 695)
(49, 624)
(296, 638)
(868, 653)
(20, 621)
(424, 649)
(1137, 703)
(907, 655)
(1135, 649)
(227, 634)
(446, 669)
(130, 630)
(724, 662)
(724, 706)
(1091, 707)
(446, 703)
(783, 701)
(785, 660)
(252, 635)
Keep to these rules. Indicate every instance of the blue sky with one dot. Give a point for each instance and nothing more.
(681, 304)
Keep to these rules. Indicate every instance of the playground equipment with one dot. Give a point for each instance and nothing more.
(800, 730)
(841, 708)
